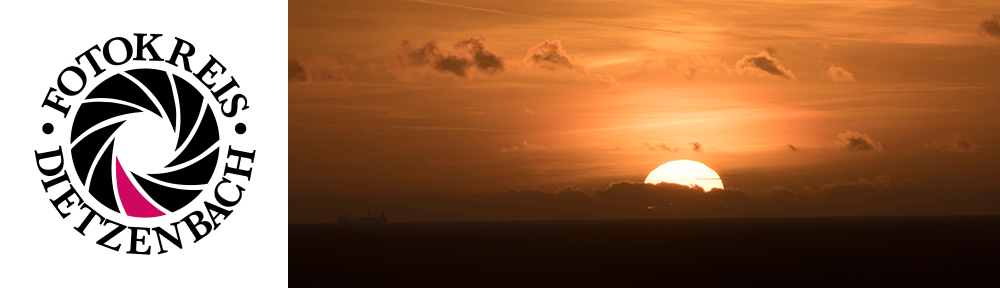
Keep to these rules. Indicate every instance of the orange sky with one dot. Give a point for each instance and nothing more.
(417, 98)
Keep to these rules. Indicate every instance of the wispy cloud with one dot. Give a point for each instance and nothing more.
(661, 147)
(954, 143)
(524, 146)
(839, 74)
(663, 31)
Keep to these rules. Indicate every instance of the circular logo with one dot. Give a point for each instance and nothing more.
(142, 152)
(134, 109)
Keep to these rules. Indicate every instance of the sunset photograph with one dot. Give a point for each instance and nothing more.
(470, 143)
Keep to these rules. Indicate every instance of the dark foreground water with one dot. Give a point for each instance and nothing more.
(785, 252)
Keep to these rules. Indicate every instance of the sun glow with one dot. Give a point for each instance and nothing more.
(686, 172)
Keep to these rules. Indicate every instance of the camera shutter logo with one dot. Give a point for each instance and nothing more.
(141, 153)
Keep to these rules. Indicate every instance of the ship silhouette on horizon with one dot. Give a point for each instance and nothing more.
(363, 220)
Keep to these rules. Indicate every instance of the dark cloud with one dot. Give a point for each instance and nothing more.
(664, 194)
(878, 184)
(410, 55)
(563, 198)
(954, 143)
(453, 64)
(779, 192)
(856, 142)
(793, 148)
(317, 69)
(763, 64)
(882, 190)
(696, 147)
(549, 55)
(466, 55)
(881, 195)
(660, 147)
(990, 26)
(296, 73)
(485, 60)
(624, 198)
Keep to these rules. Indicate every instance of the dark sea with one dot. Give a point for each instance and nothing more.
(951, 251)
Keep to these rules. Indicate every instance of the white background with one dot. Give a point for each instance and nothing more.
(40, 249)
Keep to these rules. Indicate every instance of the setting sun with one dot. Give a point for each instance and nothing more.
(686, 172)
